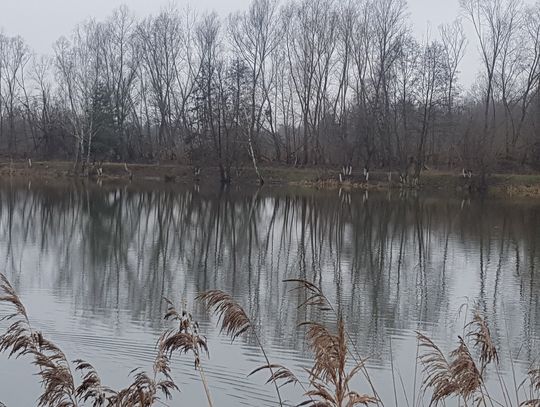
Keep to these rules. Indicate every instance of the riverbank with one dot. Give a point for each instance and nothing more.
(509, 185)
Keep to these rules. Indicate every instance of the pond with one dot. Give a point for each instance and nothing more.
(93, 263)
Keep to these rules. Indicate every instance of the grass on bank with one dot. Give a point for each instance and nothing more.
(514, 185)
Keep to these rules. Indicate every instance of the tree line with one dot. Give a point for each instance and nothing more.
(304, 83)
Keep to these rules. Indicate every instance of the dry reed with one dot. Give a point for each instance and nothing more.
(465, 374)
(329, 377)
(534, 386)
(235, 322)
(437, 370)
(459, 375)
(481, 335)
(185, 339)
(534, 375)
(59, 388)
(318, 334)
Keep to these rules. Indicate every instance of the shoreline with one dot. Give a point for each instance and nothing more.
(501, 185)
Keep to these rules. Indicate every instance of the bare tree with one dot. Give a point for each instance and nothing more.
(387, 30)
(345, 57)
(41, 108)
(312, 82)
(160, 45)
(310, 38)
(120, 63)
(454, 44)
(494, 22)
(209, 92)
(79, 64)
(255, 35)
(15, 54)
(431, 93)
(362, 62)
(528, 61)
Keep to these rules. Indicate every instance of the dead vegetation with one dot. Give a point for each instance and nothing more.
(462, 376)
(59, 385)
(459, 375)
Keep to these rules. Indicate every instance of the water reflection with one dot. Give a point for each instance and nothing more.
(392, 262)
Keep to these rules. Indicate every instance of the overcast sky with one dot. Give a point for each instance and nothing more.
(42, 22)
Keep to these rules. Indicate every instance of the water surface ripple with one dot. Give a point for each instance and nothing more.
(92, 265)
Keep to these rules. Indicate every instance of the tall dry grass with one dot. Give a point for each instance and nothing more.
(459, 375)
(235, 322)
(60, 387)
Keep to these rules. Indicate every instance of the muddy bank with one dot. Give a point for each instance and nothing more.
(510, 185)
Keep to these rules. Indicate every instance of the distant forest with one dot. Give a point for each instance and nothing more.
(303, 83)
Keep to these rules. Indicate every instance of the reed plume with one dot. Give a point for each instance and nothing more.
(233, 318)
(314, 295)
(534, 376)
(143, 391)
(235, 322)
(91, 387)
(56, 377)
(479, 331)
(10, 296)
(534, 385)
(465, 373)
(437, 370)
(20, 339)
(323, 344)
(458, 375)
(329, 378)
(185, 339)
(278, 374)
(57, 380)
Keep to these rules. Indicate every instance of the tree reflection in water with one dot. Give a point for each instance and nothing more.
(393, 262)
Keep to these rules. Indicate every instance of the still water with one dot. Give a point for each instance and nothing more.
(92, 265)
